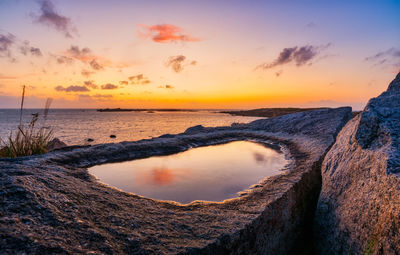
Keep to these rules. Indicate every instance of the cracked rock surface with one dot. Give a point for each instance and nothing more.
(49, 204)
(359, 206)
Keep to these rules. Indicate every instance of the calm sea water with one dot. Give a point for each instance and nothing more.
(75, 126)
(211, 173)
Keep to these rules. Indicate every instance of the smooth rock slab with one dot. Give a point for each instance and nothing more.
(359, 206)
(50, 204)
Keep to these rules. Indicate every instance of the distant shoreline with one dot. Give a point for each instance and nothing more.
(144, 110)
(260, 112)
(269, 112)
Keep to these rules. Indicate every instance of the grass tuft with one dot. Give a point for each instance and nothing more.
(29, 140)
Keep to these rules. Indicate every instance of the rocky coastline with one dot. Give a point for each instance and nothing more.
(339, 195)
(51, 204)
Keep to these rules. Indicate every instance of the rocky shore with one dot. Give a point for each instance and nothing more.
(51, 205)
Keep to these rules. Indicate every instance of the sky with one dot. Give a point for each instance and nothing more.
(205, 54)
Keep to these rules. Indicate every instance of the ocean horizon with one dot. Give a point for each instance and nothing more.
(76, 126)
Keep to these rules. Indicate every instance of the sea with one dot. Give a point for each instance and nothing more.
(76, 126)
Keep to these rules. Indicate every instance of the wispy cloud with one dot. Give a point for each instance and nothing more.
(9, 43)
(109, 86)
(48, 16)
(177, 63)
(72, 88)
(90, 84)
(95, 65)
(26, 49)
(165, 33)
(123, 82)
(62, 59)
(86, 56)
(95, 61)
(139, 79)
(166, 87)
(87, 73)
(6, 41)
(277, 74)
(392, 52)
(387, 57)
(298, 55)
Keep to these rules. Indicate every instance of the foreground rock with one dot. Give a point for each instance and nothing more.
(359, 206)
(50, 204)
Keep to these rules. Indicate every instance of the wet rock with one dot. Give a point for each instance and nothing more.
(194, 129)
(56, 144)
(359, 206)
(236, 124)
(167, 136)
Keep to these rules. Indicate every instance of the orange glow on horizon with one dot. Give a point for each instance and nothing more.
(186, 61)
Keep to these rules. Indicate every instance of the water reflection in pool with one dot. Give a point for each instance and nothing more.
(211, 173)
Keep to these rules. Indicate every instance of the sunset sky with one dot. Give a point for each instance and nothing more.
(197, 54)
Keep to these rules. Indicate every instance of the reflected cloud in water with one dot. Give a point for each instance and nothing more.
(259, 158)
(161, 176)
(211, 173)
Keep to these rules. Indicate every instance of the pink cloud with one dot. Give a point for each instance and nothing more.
(165, 33)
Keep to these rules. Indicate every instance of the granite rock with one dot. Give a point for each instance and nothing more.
(359, 206)
(51, 204)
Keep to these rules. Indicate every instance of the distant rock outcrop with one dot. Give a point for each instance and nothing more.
(359, 206)
(56, 144)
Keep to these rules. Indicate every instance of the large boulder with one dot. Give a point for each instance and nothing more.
(358, 210)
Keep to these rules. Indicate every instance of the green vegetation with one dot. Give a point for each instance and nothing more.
(29, 140)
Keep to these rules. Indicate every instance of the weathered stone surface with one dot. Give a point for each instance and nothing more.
(50, 204)
(56, 144)
(359, 206)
